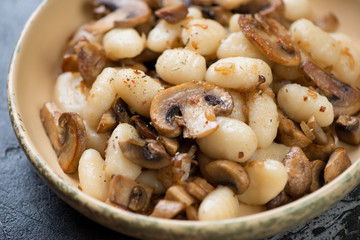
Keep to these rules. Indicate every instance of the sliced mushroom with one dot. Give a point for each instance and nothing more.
(225, 172)
(193, 106)
(49, 115)
(144, 128)
(217, 13)
(317, 173)
(147, 153)
(127, 193)
(328, 23)
(191, 213)
(178, 193)
(314, 131)
(272, 38)
(298, 167)
(199, 188)
(344, 98)
(338, 162)
(281, 199)
(289, 134)
(107, 122)
(122, 112)
(171, 144)
(123, 13)
(168, 209)
(347, 129)
(321, 152)
(173, 14)
(91, 60)
(73, 141)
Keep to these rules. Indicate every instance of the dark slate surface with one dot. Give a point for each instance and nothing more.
(30, 210)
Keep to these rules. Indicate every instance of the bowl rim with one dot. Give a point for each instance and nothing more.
(95, 208)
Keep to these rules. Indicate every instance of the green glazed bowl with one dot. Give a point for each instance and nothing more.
(32, 73)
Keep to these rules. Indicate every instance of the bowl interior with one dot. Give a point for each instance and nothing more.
(32, 74)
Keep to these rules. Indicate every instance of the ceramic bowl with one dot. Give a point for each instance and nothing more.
(33, 70)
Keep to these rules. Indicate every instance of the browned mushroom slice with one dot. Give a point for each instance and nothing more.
(70, 63)
(193, 106)
(338, 162)
(328, 22)
(317, 173)
(272, 38)
(314, 131)
(178, 193)
(123, 13)
(122, 112)
(107, 122)
(171, 144)
(217, 13)
(298, 167)
(91, 60)
(49, 115)
(127, 193)
(321, 152)
(199, 188)
(225, 172)
(281, 199)
(347, 129)
(191, 213)
(73, 141)
(202, 2)
(143, 127)
(173, 14)
(168, 209)
(289, 134)
(344, 98)
(147, 153)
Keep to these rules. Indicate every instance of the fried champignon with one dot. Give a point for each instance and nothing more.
(347, 129)
(122, 112)
(314, 131)
(107, 122)
(49, 115)
(193, 106)
(73, 141)
(344, 98)
(144, 128)
(202, 2)
(328, 23)
(229, 173)
(170, 144)
(321, 152)
(173, 13)
(122, 13)
(289, 134)
(338, 162)
(91, 60)
(191, 213)
(199, 188)
(298, 167)
(317, 173)
(147, 153)
(217, 13)
(281, 199)
(129, 194)
(178, 193)
(272, 38)
(168, 209)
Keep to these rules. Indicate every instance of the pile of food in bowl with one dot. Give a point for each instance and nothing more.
(204, 109)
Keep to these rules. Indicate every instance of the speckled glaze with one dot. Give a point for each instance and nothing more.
(32, 74)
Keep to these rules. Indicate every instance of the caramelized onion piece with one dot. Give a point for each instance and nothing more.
(272, 38)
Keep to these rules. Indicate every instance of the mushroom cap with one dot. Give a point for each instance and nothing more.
(344, 98)
(73, 141)
(271, 38)
(124, 13)
(193, 106)
(147, 153)
(347, 129)
(338, 162)
(225, 172)
(173, 14)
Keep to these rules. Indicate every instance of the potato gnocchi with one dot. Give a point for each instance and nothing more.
(197, 110)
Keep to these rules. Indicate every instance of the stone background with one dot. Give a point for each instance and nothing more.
(30, 210)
